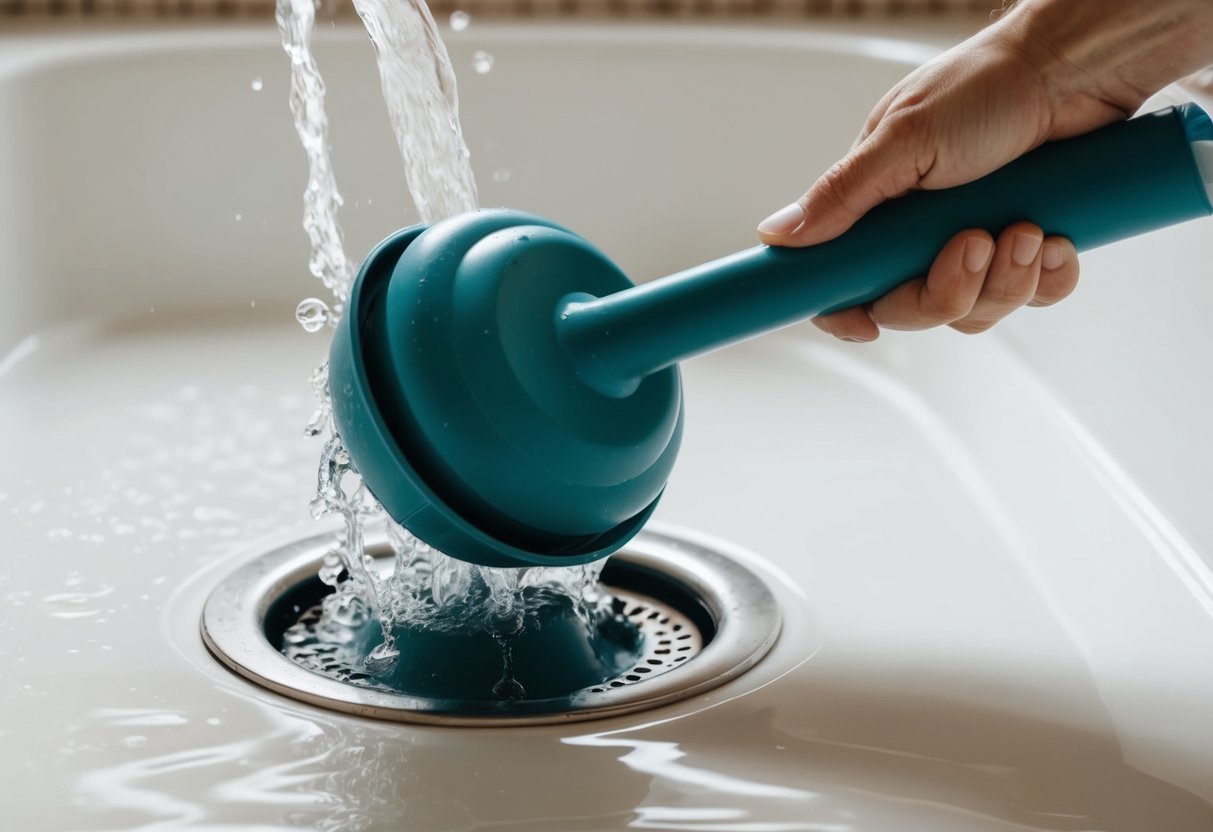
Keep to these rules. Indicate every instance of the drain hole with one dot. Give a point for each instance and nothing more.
(685, 599)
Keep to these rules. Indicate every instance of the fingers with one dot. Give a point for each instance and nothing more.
(854, 324)
(1011, 280)
(948, 292)
(882, 166)
(1058, 272)
(974, 283)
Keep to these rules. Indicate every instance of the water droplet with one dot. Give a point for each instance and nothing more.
(318, 422)
(482, 61)
(501, 175)
(460, 21)
(312, 314)
(383, 657)
(257, 85)
(510, 690)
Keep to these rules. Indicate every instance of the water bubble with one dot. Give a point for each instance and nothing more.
(382, 657)
(239, 217)
(482, 61)
(312, 314)
(460, 21)
(331, 569)
(257, 84)
(501, 175)
(509, 689)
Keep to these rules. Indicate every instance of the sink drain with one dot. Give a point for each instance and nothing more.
(704, 617)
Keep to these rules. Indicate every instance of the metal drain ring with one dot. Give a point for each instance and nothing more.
(727, 620)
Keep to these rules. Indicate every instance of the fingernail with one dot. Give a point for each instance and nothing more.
(1024, 248)
(1052, 257)
(784, 221)
(976, 253)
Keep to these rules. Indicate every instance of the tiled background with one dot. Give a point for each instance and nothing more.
(210, 9)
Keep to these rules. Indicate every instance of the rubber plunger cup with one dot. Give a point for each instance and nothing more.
(512, 399)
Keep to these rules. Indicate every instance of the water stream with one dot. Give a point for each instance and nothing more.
(426, 589)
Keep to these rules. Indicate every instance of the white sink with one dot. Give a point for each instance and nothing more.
(993, 553)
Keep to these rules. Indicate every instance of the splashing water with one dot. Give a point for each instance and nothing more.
(296, 20)
(423, 103)
(426, 589)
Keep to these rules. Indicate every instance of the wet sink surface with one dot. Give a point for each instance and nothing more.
(989, 625)
(923, 680)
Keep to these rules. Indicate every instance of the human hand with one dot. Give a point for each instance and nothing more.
(1032, 77)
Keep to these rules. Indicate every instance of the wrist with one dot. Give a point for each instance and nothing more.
(1116, 51)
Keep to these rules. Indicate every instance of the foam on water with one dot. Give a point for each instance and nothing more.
(426, 589)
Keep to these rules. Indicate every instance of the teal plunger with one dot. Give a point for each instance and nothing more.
(513, 399)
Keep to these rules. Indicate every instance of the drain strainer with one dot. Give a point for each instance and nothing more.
(704, 617)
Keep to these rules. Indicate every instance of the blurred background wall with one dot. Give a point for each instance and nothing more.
(178, 10)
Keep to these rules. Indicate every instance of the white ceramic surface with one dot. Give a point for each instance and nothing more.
(993, 553)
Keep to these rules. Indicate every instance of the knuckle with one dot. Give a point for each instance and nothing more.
(906, 123)
(1008, 293)
(1054, 288)
(949, 307)
(967, 327)
(834, 186)
(1049, 298)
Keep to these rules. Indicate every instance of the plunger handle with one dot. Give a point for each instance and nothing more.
(1117, 182)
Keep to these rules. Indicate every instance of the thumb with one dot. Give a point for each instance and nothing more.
(881, 167)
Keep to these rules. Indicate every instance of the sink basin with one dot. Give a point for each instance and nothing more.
(992, 555)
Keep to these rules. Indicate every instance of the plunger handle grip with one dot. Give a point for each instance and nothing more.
(1117, 182)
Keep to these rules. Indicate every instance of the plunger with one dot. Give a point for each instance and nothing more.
(513, 399)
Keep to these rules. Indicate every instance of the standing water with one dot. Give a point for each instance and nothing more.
(426, 589)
